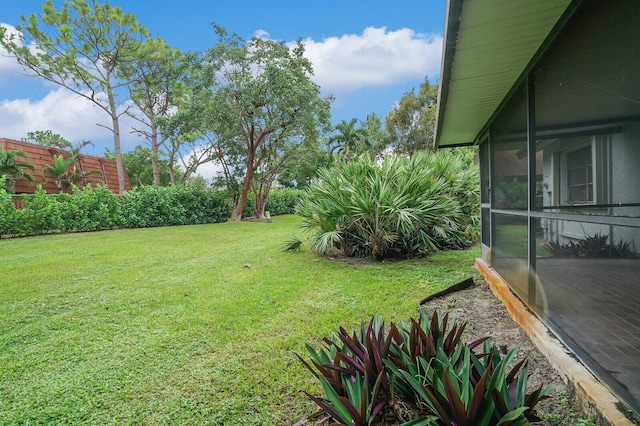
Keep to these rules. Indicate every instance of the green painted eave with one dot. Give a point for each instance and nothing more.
(489, 46)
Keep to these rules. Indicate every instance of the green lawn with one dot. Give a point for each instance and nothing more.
(168, 325)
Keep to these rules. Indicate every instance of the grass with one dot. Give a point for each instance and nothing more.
(184, 325)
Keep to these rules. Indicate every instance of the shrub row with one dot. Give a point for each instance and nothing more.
(94, 209)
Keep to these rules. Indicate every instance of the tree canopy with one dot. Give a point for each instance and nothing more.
(410, 124)
(261, 106)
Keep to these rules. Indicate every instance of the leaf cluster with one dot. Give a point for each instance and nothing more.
(426, 365)
(13, 166)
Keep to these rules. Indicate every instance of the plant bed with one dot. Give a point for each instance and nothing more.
(485, 317)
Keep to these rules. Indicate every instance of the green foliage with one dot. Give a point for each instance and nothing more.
(410, 124)
(426, 366)
(7, 209)
(48, 138)
(281, 105)
(39, 215)
(94, 209)
(90, 209)
(12, 169)
(352, 373)
(404, 207)
(283, 201)
(139, 168)
(279, 201)
(512, 193)
(303, 167)
(348, 142)
(147, 206)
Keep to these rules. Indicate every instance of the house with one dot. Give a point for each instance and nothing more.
(41, 156)
(550, 92)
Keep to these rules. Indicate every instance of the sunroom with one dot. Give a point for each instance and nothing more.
(550, 91)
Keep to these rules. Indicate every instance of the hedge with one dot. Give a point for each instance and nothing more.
(94, 209)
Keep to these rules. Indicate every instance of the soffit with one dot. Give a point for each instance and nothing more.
(488, 46)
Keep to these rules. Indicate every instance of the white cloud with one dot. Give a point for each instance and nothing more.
(261, 34)
(209, 171)
(375, 58)
(62, 112)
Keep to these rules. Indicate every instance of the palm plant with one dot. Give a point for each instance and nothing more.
(348, 141)
(64, 173)
(64, 170)
(401, 208)
(14, 169)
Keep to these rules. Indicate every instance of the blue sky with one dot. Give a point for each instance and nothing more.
(367, 54)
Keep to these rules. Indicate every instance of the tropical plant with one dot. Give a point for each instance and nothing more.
(592, 246)
(462, 390)
(425, 366)
(442, 375)
(65, 173)
(348, 141)
(13, 168)
(400, 208)
(352, 374)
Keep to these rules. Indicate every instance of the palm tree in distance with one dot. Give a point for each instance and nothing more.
(13, 168)
(349, 141)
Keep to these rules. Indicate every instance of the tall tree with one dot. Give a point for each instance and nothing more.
(82, 47)
(375, 134)
(261, 93)
(410, 124)
(157, 85)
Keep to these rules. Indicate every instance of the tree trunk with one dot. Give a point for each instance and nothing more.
(154, 156)
(236, 215)
(117, 152)
(261, 199)
(172, 174)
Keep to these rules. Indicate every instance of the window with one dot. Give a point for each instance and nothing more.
(577, 170)
(580, 176)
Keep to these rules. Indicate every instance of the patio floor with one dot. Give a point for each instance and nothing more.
(594, 304)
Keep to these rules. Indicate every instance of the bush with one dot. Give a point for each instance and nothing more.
(279, 201)
(147, 206)
(89, 209)
(8, 210)
(401, 208)
(283, 201)
(40, 214)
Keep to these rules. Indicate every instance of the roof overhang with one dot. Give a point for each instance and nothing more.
(489, 47)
